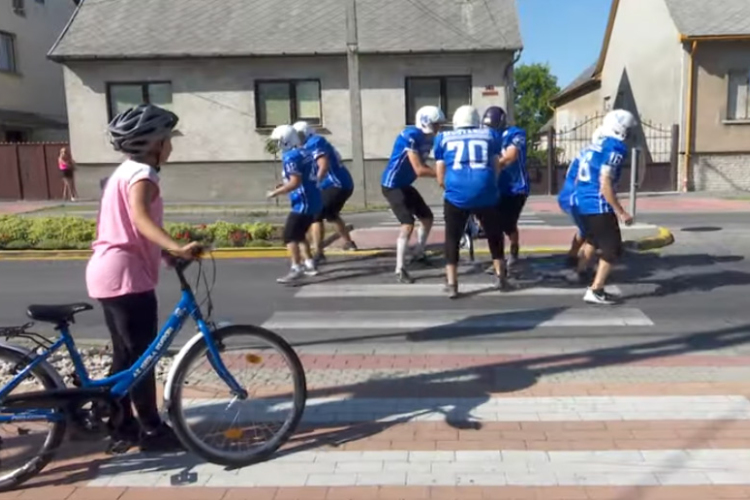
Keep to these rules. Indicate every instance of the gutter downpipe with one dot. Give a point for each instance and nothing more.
(689, 125)
(510, 107)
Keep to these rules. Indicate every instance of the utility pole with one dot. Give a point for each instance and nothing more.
(355, 97)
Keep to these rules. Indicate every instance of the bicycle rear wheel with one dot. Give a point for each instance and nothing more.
(224, 432)
(23, 452)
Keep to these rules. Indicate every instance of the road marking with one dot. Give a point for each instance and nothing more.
(452, 468)
(463, 319)
(425, 290)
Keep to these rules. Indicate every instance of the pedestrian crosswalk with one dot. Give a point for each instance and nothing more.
(528, 219)
(364, 314)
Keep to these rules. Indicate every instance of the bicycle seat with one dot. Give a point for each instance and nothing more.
(57, 314)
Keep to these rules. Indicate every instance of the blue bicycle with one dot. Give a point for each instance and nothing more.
(212, 429)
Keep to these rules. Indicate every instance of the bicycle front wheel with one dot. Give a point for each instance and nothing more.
(218, 426)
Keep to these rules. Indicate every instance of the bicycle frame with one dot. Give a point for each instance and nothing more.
(121, 383)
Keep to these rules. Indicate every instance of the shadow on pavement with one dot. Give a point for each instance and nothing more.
(461, 390)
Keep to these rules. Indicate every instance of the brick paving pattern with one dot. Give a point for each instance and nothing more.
(459, 433)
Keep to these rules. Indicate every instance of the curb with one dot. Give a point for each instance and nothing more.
(663, 239)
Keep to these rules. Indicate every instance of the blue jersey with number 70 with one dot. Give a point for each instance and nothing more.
(606, 155)
(470, 178)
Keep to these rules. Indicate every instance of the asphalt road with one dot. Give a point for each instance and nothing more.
(696, 287)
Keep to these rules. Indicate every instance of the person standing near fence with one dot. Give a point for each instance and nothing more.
(67, 170)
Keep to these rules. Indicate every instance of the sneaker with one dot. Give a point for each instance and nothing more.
(599, 297)
(350, 247)
(571, 262)
(451, 291)
(501, 283)
(320, 259)
(403, 277)
(420, 258)
(311, 268)
(161, 440)
(123, 439)
(294, 275)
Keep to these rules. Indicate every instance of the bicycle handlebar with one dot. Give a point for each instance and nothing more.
(179, 264)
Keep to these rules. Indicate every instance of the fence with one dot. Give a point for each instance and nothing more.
(29, 171)
(558, 148)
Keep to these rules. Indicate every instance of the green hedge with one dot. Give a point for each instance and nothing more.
(70, 233)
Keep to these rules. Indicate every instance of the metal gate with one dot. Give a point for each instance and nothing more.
(556, 149)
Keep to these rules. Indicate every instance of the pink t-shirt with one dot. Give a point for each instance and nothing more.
(123, 261)
(63, 165)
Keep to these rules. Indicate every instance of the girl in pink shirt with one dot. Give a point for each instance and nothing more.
(124, 269)
(67, 168)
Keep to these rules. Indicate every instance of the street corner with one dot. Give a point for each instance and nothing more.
(663, 238)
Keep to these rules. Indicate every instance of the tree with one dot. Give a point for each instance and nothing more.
(534, 86)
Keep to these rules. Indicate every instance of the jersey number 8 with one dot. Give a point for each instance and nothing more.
(478, 153)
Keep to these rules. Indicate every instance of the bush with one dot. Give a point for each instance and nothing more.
(63, 233)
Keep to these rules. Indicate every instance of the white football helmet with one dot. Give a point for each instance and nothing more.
(466, 117)
(427, 117)
(617, 123)
(286, 136)
(304, 129)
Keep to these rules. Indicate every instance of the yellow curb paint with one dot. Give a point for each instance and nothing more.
(663, 239)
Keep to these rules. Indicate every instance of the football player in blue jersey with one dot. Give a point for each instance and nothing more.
(335, 183)
(407, 163)
(567, 202)
(301, 184)
(513, 181)
(468, 162)
(596, 199)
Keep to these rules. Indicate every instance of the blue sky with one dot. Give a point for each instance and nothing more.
(567, 34)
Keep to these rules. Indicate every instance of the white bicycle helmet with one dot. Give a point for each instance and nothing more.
(137, 130)
(466, 117)
(286, 136)
(427, 117)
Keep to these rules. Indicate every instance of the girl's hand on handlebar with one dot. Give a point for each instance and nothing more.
(189, 251)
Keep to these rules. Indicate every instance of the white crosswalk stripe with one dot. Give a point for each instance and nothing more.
(503, 317)
(464, 319)
(426, 290)
(528, 219)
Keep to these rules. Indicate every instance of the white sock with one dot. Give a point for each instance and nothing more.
(401, 243)
(296, 267)
(422, 236)
(309, 263)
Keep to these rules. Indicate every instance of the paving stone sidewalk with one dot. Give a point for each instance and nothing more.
(469, 425)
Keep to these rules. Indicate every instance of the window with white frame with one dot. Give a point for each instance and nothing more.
(123, 96)
(280, 102)
(8, 52)
(446, 92)
(738, 95)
